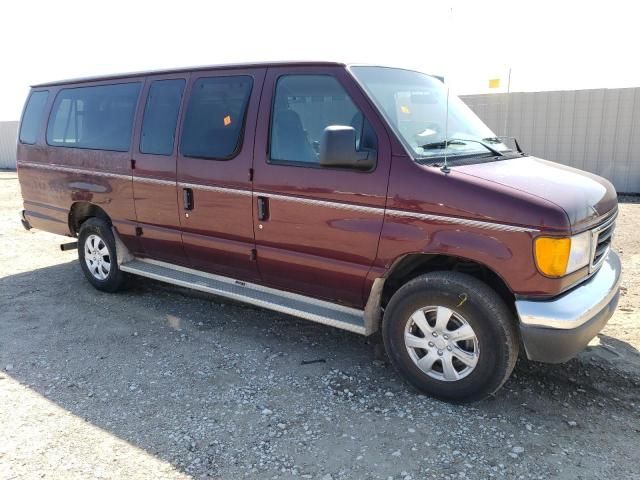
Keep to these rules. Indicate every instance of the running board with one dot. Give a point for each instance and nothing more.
(308, 308)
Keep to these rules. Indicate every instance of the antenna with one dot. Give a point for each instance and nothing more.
(506, 110)
(445, 168)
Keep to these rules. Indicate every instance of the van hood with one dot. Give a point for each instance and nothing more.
(583, 196)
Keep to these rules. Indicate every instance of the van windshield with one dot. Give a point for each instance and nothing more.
(415, 105)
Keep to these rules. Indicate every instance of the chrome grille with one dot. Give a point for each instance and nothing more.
(601, 238)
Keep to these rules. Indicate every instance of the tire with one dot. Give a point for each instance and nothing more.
(97, 254)
(446, 368)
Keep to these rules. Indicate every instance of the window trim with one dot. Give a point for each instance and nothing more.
(293, 163)
(44, 116)
(133, 118)
(176, 128)
(240, 141)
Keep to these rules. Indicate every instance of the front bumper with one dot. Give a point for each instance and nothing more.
(553, 331)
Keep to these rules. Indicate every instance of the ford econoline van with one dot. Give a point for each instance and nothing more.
(361, 197)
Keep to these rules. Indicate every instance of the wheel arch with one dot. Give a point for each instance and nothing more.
(412, 265)
(81, 211)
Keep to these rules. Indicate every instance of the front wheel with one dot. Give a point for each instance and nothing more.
(451, 336)
(97, 254)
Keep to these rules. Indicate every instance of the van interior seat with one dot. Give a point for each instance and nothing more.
(291, 142)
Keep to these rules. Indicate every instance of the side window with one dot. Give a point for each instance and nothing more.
(32, 118)
(99, 118)
(304, 105)
(161, 116)
(215, 117)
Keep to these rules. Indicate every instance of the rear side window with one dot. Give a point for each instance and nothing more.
(99, 118)
(32, 118)
(161, 116)
(215, 117)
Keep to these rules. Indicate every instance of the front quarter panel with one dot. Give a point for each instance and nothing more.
(458, 216)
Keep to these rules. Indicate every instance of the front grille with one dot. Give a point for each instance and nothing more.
(601, 238)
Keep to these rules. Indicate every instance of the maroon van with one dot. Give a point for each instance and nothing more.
(361, 197)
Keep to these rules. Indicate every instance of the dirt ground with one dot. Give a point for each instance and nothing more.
(160, 382)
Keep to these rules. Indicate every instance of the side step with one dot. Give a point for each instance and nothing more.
(290, 303)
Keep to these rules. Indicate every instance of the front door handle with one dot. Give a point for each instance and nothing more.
(263, 208)
(187, 199)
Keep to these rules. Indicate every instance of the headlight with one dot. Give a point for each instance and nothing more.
(556, 257)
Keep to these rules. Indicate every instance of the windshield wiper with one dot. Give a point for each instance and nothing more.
(442, 144)
(498, 139)
(460, 141)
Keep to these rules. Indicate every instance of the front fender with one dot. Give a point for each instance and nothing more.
(506, 252)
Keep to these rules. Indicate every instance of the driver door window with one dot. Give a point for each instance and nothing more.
(303, 106)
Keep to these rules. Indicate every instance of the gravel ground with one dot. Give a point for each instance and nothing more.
(161, 382)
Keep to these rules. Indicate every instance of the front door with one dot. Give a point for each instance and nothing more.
(214, 171)
(316, 228)
(154, 168)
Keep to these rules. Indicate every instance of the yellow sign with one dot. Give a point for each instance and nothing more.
(405, 109)
(494, 83)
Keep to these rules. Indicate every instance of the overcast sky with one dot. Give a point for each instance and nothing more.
(548, 44)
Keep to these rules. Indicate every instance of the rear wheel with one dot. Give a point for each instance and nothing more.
(451, 336)
(97, 254)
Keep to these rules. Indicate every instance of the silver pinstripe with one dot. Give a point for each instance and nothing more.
(82, 171)
(500, 227)
(155, 181)
(211, 188)
(322, 203)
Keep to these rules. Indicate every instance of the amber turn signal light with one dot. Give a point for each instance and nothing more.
(552, 255)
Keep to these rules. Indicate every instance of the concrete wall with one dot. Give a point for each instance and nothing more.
(8, 137)
(594, 130)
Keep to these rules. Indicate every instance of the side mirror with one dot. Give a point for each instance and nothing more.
(338, 149)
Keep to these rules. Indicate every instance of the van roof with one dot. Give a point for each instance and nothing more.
(189, 69)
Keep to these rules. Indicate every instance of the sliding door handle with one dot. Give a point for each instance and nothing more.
(263, 208)
(187, 199)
